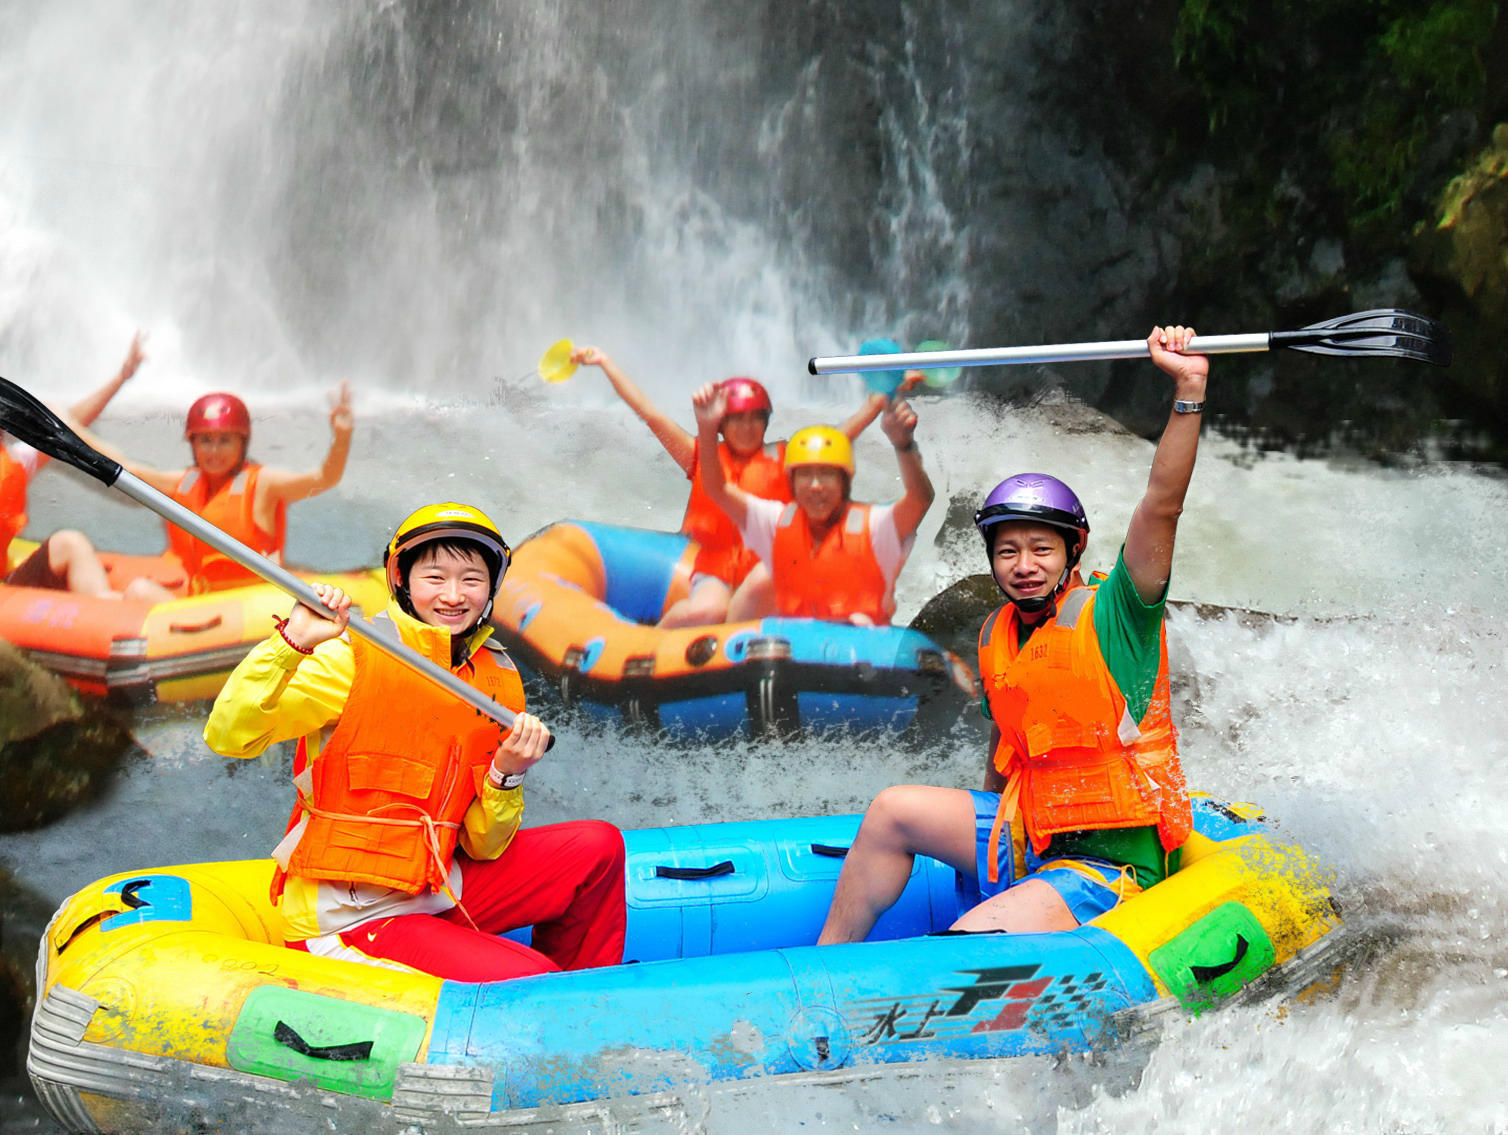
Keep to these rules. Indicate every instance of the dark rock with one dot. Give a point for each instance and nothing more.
(952, 617)
(23, 918)
(57, 749)
(1460, 259)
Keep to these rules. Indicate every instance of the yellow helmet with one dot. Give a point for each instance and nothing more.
(446, 521)
(819, 445)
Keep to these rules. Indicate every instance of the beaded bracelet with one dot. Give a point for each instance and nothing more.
(282, 625)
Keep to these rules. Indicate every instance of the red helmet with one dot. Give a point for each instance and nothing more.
(744, 395)
(215, 412)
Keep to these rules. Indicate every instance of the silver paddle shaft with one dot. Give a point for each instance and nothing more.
(1016, 356)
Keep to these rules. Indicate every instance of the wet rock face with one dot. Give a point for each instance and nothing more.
(1463, 259)
(57, 749)
(23, 917)
(952, 617)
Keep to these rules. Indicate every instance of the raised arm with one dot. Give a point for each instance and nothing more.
(859, 420)
(281, 485)
(163, 480)
(92, 405)
(711, 403)
(899, 424)
(678, 442)
(1154, 524)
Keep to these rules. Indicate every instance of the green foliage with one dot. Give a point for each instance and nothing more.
(1354, 87)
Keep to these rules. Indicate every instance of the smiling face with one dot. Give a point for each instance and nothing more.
(1026, 559)
(218, 453)
(449, 587)
(744, 431)
(819, 491)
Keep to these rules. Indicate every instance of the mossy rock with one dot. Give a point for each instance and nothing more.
(57, 749)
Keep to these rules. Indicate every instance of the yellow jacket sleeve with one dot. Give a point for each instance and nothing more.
(277, 694)
(492, 821)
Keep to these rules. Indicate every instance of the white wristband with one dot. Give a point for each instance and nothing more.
(498, 779)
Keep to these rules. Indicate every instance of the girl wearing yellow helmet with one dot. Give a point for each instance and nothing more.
(728, 581)
(405, 845)
(829, 556)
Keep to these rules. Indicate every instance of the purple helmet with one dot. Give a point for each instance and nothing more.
(1034, 497)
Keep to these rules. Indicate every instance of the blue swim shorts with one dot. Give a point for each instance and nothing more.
(1090, 888)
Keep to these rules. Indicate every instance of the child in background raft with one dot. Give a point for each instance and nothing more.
(65, 560)
(404, 848)
(1085, 802)
(232, 492)
(829, 556)
(728, 583)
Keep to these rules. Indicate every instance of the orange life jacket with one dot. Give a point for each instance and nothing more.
(229, 509)
(13, 479)
(721, 548)
(834, 579)
(1072, 756)
(385, 799)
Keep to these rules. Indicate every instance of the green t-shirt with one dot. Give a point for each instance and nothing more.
(1130, 636)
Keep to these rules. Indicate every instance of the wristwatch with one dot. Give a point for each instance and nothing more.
(505, 780)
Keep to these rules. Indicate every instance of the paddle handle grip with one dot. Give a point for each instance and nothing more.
(1017, 356)
(275, 574)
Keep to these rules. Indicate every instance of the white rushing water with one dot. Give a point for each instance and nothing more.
(142, 190)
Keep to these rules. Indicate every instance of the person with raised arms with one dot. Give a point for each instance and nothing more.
(1084, 800)
(727, 581)
(404, 848)
(829, 556)
(66, 560)
(234, 493)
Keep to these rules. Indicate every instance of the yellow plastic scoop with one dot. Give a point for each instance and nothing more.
(555, 365)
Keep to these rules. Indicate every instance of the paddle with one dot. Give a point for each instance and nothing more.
(1385, 332)
(28, 419)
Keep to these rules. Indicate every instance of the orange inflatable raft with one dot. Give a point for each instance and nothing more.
(137, 652)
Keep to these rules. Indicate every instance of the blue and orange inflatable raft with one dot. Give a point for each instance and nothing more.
(165, 1000)
(578, 609)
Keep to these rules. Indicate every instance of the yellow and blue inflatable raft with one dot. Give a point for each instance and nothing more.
(578, 610)
(165, 1001)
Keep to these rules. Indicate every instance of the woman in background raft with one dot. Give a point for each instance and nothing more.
(66, 560)
(1085, 801)
(728, 583)
(235, 494)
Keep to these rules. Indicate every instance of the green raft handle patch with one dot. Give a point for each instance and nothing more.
(288, 1037)
(1205, 974)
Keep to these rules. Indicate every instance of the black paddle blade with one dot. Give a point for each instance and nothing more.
(24, 417)
(1386, 331)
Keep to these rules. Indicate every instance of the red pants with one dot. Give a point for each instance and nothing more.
(565, 880)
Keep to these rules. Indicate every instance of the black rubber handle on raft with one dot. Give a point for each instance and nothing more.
(1203, 974)
(723, 868)
(829, 850)
(285, 1035)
